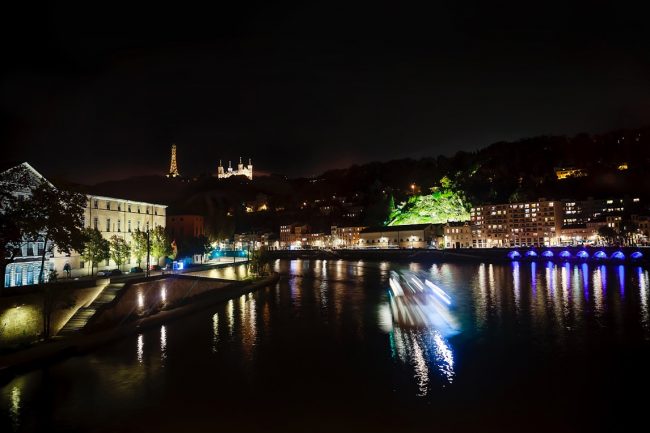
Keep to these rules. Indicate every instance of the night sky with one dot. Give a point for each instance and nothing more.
(97, 94)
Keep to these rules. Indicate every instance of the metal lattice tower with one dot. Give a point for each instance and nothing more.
(173, 168)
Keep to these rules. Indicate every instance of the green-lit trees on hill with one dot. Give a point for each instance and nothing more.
(445, 203)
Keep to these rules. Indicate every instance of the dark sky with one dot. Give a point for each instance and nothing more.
(101, 91)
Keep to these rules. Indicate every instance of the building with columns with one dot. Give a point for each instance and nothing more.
(111, 216)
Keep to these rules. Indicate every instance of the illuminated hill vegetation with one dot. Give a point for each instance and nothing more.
(445, 203)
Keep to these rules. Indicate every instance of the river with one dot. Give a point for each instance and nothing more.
(540, 347)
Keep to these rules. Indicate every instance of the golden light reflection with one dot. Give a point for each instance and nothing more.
(215, 332)
(481, 297)
(14, 409)
(266, 316)
(230, 313)
(163, 345)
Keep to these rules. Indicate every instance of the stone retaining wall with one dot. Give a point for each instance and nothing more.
(140, 299)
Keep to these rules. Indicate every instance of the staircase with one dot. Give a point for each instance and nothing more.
(83, 315)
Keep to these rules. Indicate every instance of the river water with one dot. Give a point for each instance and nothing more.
(541, 347)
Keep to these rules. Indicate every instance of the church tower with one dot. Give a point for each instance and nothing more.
(173, 167)
(242, 170)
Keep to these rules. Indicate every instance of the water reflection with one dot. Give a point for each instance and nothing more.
(643, 294)
(423, 349)
(621, 280)
(416, 316)
(163, 345)
(215, 332)
(516, 282)
(230, 313)
(14, 408)
(140, 348)
(329, 309)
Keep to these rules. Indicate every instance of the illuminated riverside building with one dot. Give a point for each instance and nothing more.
(113, 217)
(404, 236)
(344, 237)
(296, 236)
(242, 170)
(584, 211)
(458, 235)
(516, 224)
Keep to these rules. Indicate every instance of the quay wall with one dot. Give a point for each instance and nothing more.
(142, 298)
(454, 254)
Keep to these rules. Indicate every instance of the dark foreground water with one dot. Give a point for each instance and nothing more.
(542, 348)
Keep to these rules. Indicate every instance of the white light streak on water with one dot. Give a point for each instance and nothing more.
(420, 366)
(444, 356)
(140, 350)
(385, 318)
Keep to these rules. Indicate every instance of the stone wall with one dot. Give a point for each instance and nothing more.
(21, 316)
(143, 298)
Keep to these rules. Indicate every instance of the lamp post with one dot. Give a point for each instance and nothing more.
(148, 253)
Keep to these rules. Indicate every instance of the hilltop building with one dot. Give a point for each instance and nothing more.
(242, 170)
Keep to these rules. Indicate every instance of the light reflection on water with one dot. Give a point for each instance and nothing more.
(324, 307)
(163, 345)
(140, 349)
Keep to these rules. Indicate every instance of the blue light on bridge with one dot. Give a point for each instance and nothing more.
(531, 253)
(565, 254)
(636, 255)
(547, 253)
(582, 254)
(600, 255)
(514, 255)
(618, 255)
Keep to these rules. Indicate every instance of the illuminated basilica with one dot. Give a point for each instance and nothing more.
(242, 170)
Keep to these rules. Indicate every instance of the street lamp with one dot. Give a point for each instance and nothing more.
(148, 252)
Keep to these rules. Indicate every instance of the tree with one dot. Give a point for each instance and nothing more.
(628, 231)
(55, 218)
(95, 249)
(15, 185)
(120, 250)
(161, 245)
(258, 262)
(139, 245)
(607, 233)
